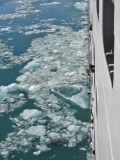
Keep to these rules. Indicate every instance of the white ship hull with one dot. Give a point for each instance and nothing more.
(105, 37)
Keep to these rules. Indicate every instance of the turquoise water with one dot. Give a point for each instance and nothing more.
(44, 84)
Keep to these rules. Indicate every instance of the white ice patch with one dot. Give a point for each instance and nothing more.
(72, 142)
(7, 29)
(35, 31)
(56, 118)
(34, 88)
(21, 78)
(43, 148)
(47, 4)
(74, 129)
(20, 132)
(47, 59)
(10, 88)
(32, 64)
(54, 135)
(31, 113)
(89, 156)
(53, 83)
(65, 123)
(36, 130)
(83, 149)
(81, 5)
(21, 95)
(81, 99)
(5, 153)
(37, 152)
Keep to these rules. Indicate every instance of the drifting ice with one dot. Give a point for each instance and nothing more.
(36, 130)
(74, 129)
(31, 113)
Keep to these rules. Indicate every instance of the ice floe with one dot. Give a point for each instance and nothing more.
(36, 130)
(37, 152)
(81, 5)
(74, 129)
(5, 154)
(33, 113)
(54, 135)
(89, 156)
(47, 4)
(32, 64)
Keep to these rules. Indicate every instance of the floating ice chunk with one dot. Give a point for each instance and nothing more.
(10, 100)
(36, 130)
(79, 137)
(84, 130)
(72, 142)
(13, 87)
(47, 4)
(35, 31)
(83, 149)
(20, 132)
(12, 156)
(37, 11)
(67, 135)
(24, 87)
(73, 128)
(47, 59)
(37, 152)
(21, 95)
(5, 153)
(68, 90)
(81, 99)
(89, 156)
(31, 113)
(81, 5)
(54, 106)
(16, 120)
(54, 135)
(10, 88)
(53, 99)
(47, 140)
(34, 88)
(32, 64)
(21, 78)
(53, 83)
(65, 123)
(24, 143)
(5, 29)
(70, 74)
(43, 148)
(56, 118)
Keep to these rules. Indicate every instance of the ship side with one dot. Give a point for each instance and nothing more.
(105, 55)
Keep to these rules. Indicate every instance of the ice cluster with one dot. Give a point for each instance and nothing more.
(30, 125)
(22, 9)
(81, 5)
(48, 53)
(54, 75)
(38, 82)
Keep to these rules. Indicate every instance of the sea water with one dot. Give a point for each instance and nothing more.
(44, 84)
